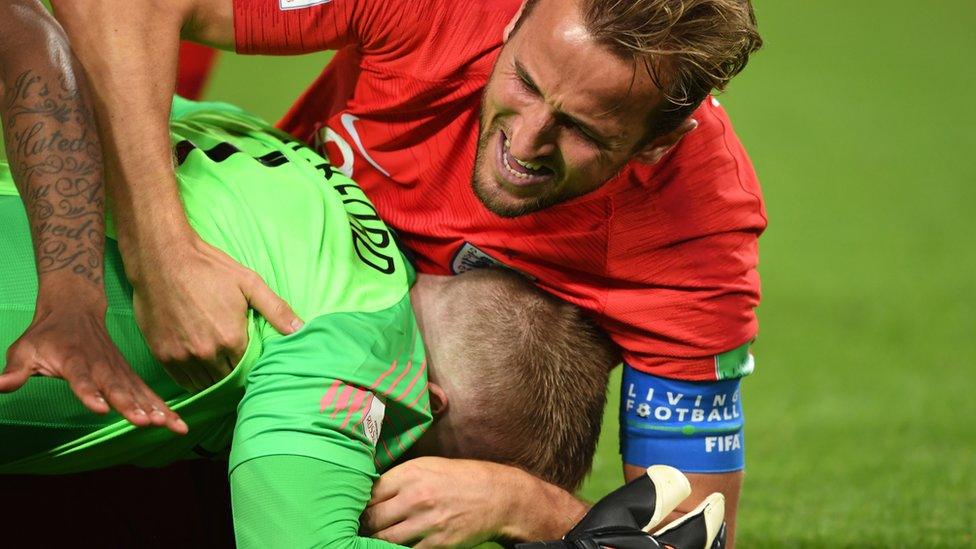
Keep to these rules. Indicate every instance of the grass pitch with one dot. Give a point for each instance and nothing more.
(862, 411)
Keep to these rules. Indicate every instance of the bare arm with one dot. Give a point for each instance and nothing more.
(189, 298)
(130, 49)
(55, 159)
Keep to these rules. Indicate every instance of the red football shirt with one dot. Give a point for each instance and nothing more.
(664, 256)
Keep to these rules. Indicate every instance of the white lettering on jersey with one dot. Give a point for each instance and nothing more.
(299, 4)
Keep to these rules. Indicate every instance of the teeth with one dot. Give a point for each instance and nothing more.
(513, 172)
(527, 165)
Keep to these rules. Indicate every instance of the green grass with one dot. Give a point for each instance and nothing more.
(862, 412)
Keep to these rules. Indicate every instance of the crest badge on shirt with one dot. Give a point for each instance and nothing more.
(470, 257)
(299, 4)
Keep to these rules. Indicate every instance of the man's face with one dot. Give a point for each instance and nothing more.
(562, 114)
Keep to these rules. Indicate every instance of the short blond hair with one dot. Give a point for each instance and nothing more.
(541, 370)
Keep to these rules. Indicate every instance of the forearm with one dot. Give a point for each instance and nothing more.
(54, 155)
(130, 51)
(539, 510)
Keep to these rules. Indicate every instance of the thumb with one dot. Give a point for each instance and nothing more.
(274, 309)
(14, 377)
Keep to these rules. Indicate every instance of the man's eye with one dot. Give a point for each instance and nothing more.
(526, 85)
(585, 135)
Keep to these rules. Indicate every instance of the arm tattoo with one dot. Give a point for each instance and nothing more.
(56, 163)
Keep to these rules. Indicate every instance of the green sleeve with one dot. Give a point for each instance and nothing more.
(298, 502)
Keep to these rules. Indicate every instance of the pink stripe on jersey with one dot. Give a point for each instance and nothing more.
(399, 378)
(329, 395)
(420, 394)
(383, 376)
(343, 400)
(366, 405)
(357, 401)
(409, 435)
(423, 368)
(387, 449)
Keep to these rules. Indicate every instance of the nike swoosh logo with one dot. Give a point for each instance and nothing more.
(348, 122)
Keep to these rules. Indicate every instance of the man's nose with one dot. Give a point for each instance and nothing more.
(533, 135)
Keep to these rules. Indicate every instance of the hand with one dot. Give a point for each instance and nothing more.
(192, 308)
(438, 502)
(75, 346)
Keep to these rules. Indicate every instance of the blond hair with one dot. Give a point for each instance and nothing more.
(540, 369)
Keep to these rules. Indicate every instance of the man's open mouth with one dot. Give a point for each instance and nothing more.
(517, 172)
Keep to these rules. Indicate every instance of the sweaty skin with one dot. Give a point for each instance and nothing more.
(56, 162)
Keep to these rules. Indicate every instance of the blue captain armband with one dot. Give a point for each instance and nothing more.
(691, 425)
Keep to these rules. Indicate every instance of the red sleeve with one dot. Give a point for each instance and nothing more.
(288, 27)
(683, 260)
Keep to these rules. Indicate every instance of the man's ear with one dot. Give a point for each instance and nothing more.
(438, 399)
(511, 24)
(659, 146)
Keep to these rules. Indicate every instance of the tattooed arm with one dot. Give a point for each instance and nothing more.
(190, 298)
(55, 159)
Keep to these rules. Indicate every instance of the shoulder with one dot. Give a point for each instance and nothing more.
(437, 38)
(704, 188)
(709, 171)
(711, 155)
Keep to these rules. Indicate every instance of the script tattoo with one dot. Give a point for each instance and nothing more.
(56, 162)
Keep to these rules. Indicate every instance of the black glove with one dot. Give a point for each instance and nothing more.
(622, 519)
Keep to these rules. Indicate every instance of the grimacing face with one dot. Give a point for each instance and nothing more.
(561, 114)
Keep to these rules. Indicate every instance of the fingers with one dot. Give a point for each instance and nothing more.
(401, 533)
(384, 515)
(120, 397)
(194, 372)
(386, 487)
(274, 309)
(132, 398)
(88, 393)
(104, 385)
(178, 374)
(200, 375)
(383, 510)
(15, 376)
(161, 415)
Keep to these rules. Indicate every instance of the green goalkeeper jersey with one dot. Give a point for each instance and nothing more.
(349, 388)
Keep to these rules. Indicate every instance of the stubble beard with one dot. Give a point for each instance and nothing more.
(490, 193)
